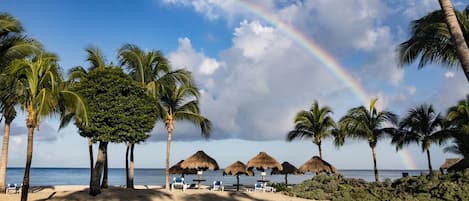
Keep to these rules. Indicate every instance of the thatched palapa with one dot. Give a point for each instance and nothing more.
(287, 168)
(237, 168)
(177, 169)
(263, 161)
(455, 164)
(200, 161)
(449, 162)
(317, 165)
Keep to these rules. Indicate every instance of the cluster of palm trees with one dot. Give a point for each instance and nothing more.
(31, 79)
(422, 125)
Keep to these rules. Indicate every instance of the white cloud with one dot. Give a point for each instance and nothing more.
(449, 74)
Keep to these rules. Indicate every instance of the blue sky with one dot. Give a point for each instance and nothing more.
(253, 77)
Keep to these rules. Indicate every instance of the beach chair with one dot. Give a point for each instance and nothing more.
(269, 188)
(12, 188)
(217, 185)
(178, 182)
(258, 187)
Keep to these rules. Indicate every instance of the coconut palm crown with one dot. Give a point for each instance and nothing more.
(315, 123)
(367, 123)
(423, 126)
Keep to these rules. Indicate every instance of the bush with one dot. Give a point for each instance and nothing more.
(452, 186)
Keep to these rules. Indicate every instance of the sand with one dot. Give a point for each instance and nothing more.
(144, 193)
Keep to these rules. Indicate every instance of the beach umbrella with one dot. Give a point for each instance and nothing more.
(177, 169)
(200, 161)
(236, 169)
(263, 161)
(317, 165)
(287, 168)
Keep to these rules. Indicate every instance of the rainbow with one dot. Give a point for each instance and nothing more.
(323, 56)
(311, 47)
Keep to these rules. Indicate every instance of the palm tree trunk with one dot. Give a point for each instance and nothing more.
(105, 184)
(429, 162)
(95, 188)
(127, 165)
(90, 150)
(3, 165)
(168, 149)
(131, 176)
(29, 158)
(374, 164)
(462, 51)
(320, 150)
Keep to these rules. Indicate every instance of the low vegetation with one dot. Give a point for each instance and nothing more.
(452, 186)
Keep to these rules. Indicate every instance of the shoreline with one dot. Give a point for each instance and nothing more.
(144, 192)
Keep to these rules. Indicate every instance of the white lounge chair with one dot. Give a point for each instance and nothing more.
(12, 188)
(178, 182)
(258, 187)
(217, 185)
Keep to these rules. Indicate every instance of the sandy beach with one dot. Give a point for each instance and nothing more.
(144, 193)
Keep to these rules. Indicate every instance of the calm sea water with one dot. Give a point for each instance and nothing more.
(80, 176)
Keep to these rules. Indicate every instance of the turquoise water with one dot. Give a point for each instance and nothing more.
(80, 176)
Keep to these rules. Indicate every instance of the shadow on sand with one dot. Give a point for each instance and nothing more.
(114, 194)
(232, 196)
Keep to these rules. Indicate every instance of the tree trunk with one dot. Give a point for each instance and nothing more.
(90, 150)
(320, 150)
(237, 182)
(3, 165)
(429, 162)
(286, 179)
(127, 165)
(29, 158)
(168, 149)
(131, 175)
(106, 170)
(462, 51)
(95, 188)
(374, 164)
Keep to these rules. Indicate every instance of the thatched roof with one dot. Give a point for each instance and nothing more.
(237, 168)
(287, 168)
(263, 161)
(200, 161)
(176, 169)
(317, 165)
(460, 165)
(449, 162)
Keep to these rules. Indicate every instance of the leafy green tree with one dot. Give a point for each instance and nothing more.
(315, 123)
(181, 103)
(96, 60)
(423, 126)
(368, 124)
(431, 40)
(13, 45)
(119, 111)
(43, 94)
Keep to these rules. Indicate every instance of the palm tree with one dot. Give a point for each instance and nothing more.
(423, 126)
(13, 45)
(180, 103)
(458, 124)
(431, 40)
(462, 51)
(44, 94)
(316, 124)
(151, 69)
(369, 124)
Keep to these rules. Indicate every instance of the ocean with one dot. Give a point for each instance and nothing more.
(80, 176)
